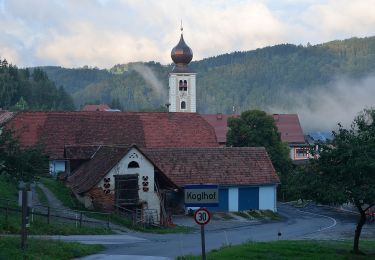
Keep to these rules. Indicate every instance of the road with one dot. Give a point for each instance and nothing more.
(308, 223)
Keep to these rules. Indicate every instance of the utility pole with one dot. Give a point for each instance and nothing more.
(25, 216)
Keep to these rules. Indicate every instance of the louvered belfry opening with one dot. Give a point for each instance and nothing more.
(126, 190)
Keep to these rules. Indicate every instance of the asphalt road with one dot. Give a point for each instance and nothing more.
(311, 222)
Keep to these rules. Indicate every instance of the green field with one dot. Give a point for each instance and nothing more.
(283, 250)
(10, 248)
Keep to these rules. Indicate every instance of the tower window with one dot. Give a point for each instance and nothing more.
(183, 105)
(133, 164)
(182, 86)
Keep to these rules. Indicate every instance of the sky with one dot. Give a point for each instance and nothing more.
(102, 33)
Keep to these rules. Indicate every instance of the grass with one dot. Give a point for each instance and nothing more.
(164, 230)
(221, 215)
(36, 249)
(41, 196)
(39, 226)
(8, 190)
(63, 193)
(282, 250)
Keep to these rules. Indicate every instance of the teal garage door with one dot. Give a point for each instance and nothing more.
(248, 198)
(223, 201)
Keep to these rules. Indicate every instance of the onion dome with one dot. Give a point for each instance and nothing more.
(181, 54)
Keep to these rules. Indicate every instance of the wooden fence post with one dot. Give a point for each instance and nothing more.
(80, 219)
(6, 213)
(48, 215)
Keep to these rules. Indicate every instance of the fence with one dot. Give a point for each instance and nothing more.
(55, 215)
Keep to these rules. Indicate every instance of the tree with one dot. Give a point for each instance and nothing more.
(345, 171)
(21, 164)
(256, 128)
(21, 105)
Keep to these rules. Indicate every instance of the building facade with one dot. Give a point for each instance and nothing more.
(182, 81)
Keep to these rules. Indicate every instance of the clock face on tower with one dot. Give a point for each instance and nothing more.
(182, 94)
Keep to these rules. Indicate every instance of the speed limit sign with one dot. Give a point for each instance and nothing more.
(202, 216)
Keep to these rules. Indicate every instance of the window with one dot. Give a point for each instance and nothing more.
(301, 153)
(182, 86)
(183, 105)
(133, 164)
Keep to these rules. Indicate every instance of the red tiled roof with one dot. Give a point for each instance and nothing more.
(5, 116)
(83, 152)
(287, 125)
(219, 123)
(58, 129)
(92, 171)
(101, 107)
(289, 128)
(223, 166)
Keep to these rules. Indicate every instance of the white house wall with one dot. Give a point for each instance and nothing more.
(145, 169)
(233, 199)
(267, 198)
(56, 166)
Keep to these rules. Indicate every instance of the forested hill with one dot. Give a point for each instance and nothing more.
(253, 79)
(24, 89)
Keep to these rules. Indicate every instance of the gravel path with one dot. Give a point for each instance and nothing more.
(57, 208)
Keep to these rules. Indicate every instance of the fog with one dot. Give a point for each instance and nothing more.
(152, 80)
(326, 106)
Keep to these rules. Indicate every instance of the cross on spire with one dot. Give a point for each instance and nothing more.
(182, 28)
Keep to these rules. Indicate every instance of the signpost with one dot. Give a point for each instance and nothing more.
(202, 217)
(202, 195)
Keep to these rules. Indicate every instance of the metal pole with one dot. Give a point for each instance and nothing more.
(48, 215)
(203, 243)
(24, 219)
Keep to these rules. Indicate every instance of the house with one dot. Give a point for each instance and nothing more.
(5, 116)
(118, 177)
(153, 178)
(245, 175)
(291, 132)
(55, 130)
(288, 126)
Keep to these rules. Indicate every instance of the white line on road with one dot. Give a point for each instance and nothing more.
(331, 226)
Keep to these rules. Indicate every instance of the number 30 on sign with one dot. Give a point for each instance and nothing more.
(202, 216)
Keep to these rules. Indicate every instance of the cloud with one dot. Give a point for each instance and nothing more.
(326, 106)
(105, 32)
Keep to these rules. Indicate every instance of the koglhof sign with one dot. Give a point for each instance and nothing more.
(201, 195)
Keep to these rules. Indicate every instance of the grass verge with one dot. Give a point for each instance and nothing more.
(41, 196)
(10, 249)
(292, 250)
(39, 226)
(62, 192)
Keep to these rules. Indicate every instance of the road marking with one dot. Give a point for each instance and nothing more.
(331, 226)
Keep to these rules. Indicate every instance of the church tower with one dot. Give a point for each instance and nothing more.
(182, 91)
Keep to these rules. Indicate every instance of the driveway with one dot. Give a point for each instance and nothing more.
(312, 222)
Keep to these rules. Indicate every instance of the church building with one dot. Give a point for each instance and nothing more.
(182, 88)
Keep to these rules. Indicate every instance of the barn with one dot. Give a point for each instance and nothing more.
(245, 175)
